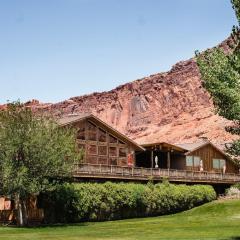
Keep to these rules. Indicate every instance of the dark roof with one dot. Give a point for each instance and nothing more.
(164, 144)
(74, 118)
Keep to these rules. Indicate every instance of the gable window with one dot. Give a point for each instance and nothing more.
(102, 135)
(81, 133)
(92, 132)
(218, 163)
(112, 139)
(193, 161)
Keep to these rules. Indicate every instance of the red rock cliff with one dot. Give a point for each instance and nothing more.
(171, 106)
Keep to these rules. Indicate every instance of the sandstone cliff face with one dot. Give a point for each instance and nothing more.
(171, 106)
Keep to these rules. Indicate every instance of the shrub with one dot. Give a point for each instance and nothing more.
(237, 185)
(233, 192)
(110, 201)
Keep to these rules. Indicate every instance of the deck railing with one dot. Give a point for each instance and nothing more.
(108, 171)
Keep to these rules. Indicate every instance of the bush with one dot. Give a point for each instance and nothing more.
(237, 185)
(233, 192)
(110, 201)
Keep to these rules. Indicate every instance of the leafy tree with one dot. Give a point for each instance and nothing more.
(35, 153)
(220, 72)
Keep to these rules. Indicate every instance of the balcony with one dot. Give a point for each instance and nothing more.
(91, 171)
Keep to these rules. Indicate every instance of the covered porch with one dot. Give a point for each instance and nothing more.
(161, 155)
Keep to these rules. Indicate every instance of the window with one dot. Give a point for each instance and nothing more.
(92, 159)
(113, 151)
(218, 163)
(113, 161)
(193, 161)
(122, 152)
(81, 133)
(112, 139)
(102, 150)
(92, 132)
(189, 161)
(196, 161)
(92, 149)
(102, 160)
(102, 136)
(123, 161)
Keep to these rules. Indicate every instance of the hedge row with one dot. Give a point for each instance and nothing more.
(109, 201)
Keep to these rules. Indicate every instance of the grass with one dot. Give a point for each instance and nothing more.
(216, 220)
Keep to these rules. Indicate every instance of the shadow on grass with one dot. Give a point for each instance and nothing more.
(58, 225)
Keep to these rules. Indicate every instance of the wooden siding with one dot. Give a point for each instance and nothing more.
(207, 153)
(101, 146)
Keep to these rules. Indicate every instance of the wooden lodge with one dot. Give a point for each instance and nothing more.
(108, 154)
(101, 143)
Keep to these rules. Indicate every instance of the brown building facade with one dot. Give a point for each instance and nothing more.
(100, 143)
(201, 156)
(208, 157)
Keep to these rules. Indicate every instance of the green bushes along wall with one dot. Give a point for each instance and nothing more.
(109, 201)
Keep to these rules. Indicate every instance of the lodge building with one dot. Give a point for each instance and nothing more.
(101, 143)
(109, 154)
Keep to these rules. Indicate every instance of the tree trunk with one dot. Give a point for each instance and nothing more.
(21, 208)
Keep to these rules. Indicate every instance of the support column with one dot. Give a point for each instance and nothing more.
(169, 159)
(152, 158)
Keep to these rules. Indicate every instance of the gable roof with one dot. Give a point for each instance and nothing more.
(191, 147)
(74, 118)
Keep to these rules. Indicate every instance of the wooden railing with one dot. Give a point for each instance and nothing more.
(106, 171)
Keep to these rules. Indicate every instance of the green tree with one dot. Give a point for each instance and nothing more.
(35, 153)
(220, 72)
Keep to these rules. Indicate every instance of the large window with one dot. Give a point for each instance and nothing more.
(218, 163)
(193, 161)
(122, 152)
(102, 135)
(81, 133)
(113, 152)
(92, 149)
(102, 150)
(112, 139)
(92, 132)
(189, 161)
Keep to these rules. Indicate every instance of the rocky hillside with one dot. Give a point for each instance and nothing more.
(171, 106)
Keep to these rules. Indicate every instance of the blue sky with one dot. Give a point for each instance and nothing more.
(52, 50)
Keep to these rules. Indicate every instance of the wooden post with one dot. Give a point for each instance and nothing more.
(151, 158)
(169, 159)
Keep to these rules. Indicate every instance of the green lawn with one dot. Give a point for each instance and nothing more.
(216, 220)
